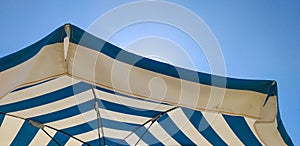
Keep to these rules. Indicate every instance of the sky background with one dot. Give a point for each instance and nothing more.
(258, 39)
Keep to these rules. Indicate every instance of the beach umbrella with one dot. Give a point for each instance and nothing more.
(72, 88)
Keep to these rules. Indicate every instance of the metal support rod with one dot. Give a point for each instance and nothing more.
(41, 126)
(50, 136)
(152, 120)
(99, 121)
(135, 129)
(144, 132)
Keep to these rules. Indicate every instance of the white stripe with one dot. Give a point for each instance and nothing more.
(9, 129)
(184, 124)
(38, 90)
(133, 138)
(250, 123)
(159, 133)
(73, 142)
(138, 103)
(220, 126)
(46, 64)
(121, 117)
(55, 106)
(116, 75)
(269, 133)
(88, 136)
(41, 138)
(91, 115)
(73, 121)
(112, 133)
(66, 40)
(83, 97)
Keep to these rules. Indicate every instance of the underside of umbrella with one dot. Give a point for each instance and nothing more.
(72, 88)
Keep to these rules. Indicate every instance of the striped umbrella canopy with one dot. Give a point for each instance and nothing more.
(72, 88)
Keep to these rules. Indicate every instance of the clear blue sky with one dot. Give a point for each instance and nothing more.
(259, 39)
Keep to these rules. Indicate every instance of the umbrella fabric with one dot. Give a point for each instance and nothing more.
(72, 88)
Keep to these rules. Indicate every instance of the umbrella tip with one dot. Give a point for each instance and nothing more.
(36, 124)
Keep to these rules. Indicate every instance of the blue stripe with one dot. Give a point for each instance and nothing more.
(82, 128)
(241, 129)
(25, 87)
(1, 118)
(282, 130)
(284, 134)
(127, 109)
(65, 113)
(61, 138)
(83, 38)
(25, 134)
(92, 125)
(200, 123)
(171, 128)
(69, 91)
(44, 99)
(124, 95)
(30, 51)
(89, 105)
(87, 40)
(148, 138)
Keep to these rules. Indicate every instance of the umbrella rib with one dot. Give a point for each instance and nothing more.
(144, 133)
(99, 123)
(99, 119)
(152, 120)
(50, 136)
(66, 134)
(28, 120)
(135, 129)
